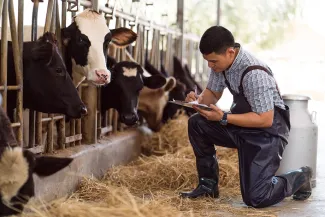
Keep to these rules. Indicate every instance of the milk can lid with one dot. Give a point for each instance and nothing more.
(295, 97)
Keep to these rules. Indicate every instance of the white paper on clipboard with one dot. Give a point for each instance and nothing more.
(190, 104)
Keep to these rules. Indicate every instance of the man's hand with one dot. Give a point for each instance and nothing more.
(214, 115)
(191, 96)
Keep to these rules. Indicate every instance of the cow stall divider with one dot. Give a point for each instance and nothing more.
(50, 132)
(7, 9)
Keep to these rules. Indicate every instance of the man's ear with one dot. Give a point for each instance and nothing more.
(46, 165)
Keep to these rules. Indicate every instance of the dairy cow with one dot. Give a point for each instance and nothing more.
(17, 167)
(47, 85)
(122, 92)
(86, 42)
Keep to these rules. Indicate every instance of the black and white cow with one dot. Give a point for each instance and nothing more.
(123, 91)
(17, 167)
(183, 74)
(47, 85)
(177, 93)
(86, 41)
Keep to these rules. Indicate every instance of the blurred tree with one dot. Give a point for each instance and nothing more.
(258, 22)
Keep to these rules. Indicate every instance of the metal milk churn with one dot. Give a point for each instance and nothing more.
(302, 146)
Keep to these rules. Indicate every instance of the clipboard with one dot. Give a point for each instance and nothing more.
(190, 104)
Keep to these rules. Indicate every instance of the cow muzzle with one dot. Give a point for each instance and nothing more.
(129, 119)
(103, 76)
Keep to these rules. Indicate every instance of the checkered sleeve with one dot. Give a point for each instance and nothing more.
(258, 88)
(216, 82)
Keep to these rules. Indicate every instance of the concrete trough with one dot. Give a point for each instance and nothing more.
(89, 160)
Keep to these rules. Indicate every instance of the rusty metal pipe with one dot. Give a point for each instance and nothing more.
(38, 128)
(49, 142)
(21, 27)
(18, 69)
(78, 122)
(72, 131)
(34, 20)
(32, 114)
(4, 50)
(48, 16)
(61, 133)
(53, 18)
(64, 14)
(60, 117)
(1, 7)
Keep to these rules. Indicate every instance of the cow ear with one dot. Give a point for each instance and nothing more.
(66, 33)
(171, 83)
(123, 36)
(46, 165)
(154, 81)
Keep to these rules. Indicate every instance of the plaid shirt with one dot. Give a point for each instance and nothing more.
(259, 87)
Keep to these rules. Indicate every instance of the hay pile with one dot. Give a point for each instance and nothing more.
(118, 202)
(150, 185)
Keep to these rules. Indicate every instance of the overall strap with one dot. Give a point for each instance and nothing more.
(250, 68)
(227, 83)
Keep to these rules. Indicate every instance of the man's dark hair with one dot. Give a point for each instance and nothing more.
(216, 39)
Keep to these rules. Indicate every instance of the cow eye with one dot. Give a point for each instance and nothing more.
(59, 71)
(80, 40)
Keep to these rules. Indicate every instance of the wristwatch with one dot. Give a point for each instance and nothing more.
(224, 120)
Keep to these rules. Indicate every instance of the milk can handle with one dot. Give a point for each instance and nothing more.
(313, 116)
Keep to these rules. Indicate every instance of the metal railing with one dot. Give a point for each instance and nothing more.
(155, 42)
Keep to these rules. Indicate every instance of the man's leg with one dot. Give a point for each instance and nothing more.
(203, 134)
(259, 159)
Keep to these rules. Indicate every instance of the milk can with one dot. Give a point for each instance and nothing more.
(302, 146)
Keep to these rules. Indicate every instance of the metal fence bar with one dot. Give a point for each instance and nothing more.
(18, 69)
(32, 114)
(4, 50)
(1, 7)
(78, 122)
(49, 11)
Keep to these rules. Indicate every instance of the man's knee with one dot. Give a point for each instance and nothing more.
(195, 121)
(259, 199)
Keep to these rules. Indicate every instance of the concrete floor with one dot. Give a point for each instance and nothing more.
(315, 205)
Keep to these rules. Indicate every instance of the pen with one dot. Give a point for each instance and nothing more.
(195, 90)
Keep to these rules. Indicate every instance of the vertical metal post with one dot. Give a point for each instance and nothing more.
(1, 7)
(21, 27)
(48, 20)
(218, 12)
(64, 14)
(53, 19)
(90, 132)
(18, 69)
(180, 24)
(95, 5)
(31, 140)
(4, 49)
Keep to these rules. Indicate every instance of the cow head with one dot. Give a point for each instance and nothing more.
(183, 74)
(152, 103)
(122, 92)
(177, 93)
(87, 40)
(48, 87)
(17, 167)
